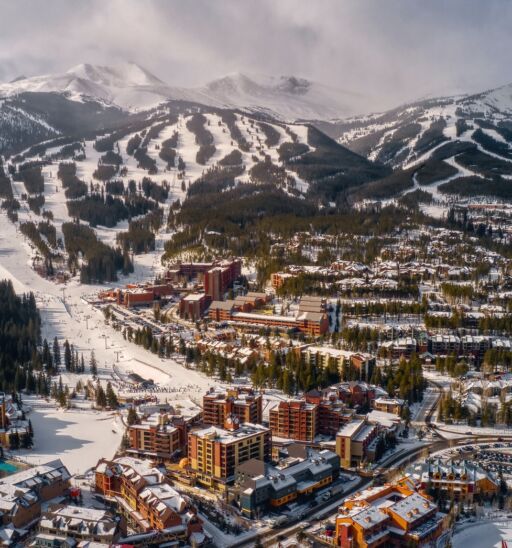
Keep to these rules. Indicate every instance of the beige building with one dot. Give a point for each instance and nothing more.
(215, 453)
(389, 405)
(353, 442)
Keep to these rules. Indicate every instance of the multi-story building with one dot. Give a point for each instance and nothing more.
(321, 356)
(219, 278)
(244, 404)
(389, 515)
(389, 405)
(309, 303)
(470, 347)
(81, 524)
(193, 306)
(355, 394)
(215, 453)
(160, 433)
(137, 295)
(146, 500)
(12, 421)
(444, 344)
(403, 347)
(262, 486)
(311, 323)
(461, 481)
(162, 440)
(22, 493)
(475, 346)
(353, 442)
(216, 276)
(250, 301)
(294, 419)
(332, 412)
(221, 311)
(278, 278)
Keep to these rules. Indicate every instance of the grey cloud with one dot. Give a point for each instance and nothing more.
(392, 50)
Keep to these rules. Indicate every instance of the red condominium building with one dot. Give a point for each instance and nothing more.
(294, 419)
(243, 404)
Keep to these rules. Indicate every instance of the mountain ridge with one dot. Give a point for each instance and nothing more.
(132, 87)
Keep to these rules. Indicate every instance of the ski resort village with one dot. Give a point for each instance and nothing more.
(256, 312)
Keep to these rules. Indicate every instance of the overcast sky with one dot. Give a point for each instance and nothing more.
(394, 49)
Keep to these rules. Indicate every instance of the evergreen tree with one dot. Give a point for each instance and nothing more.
(61, 394)
(125, 442)
(73, 359)
(19, 381)
(287, 382)
(46, 352)
(67, 355)
(56, 352)
(101, 398)
(132, 417)
(93, 365)
(111, 397)
(30, 381)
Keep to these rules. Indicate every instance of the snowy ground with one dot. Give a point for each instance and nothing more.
(458, 430)
(483, 535)
(67, 315)
(443, 380)
(78, 437)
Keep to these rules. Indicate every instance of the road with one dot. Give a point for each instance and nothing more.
(431, 398)
(270, 537)
(393, 465)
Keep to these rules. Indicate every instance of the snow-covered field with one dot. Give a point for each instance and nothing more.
(79, 437)
(66, 311)
(483, 535)
(67, 315)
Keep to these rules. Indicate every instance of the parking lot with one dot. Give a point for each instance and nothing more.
(493, 457)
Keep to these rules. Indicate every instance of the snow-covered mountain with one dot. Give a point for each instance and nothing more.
(450, 146)
(286, 96)
(126, 85)
(131, 87)
(409, 134)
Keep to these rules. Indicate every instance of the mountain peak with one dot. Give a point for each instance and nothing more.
(130, 86)
(250, 82)
(122, 75)
(289, 97)
(18, 79)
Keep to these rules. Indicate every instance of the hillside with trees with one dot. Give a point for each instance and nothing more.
(96, 261)
(20, 333)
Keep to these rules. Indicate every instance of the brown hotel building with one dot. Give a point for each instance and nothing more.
(311, 323)
(294, 419)
(332, 412)
(242, 404)
(161, 441)
(303, 420)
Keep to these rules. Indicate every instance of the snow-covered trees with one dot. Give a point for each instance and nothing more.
(101, 398)
(93, 364)
(56, 352)
(111, 397)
